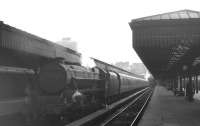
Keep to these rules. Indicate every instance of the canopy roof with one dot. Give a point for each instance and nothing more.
(168, 44)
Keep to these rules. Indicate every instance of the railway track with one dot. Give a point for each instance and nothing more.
(124, 112)
(130, 113)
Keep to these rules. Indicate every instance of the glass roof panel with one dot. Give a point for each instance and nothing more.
(165, 16)
(155, 17)
(194, 15)
(182, 14)
(148, 18)
(174, 16)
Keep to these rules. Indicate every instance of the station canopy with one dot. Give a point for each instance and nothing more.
(169, 43)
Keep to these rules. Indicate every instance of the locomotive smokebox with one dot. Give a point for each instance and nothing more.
(54, 77)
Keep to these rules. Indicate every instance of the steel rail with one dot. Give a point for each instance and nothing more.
(103, 111)
(121, 110)
(141, 110)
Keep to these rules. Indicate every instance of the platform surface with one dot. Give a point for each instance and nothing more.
(165, 109)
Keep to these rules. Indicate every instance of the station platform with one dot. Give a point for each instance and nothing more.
(165, 109)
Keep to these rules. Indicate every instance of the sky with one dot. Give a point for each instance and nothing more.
(99, 26)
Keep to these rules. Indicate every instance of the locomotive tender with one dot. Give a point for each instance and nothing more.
(41, 78)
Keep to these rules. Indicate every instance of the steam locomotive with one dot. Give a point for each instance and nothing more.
(73, 83)
(40, 78)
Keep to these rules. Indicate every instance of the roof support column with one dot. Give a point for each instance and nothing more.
(180, 87)
(184, 83)
(180, 84)
(189, 89)
(196, 83)
(181, 93)
(176, 85)
(171, 84)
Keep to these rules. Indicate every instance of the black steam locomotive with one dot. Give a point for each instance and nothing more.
(63, 84)
(39, 78)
